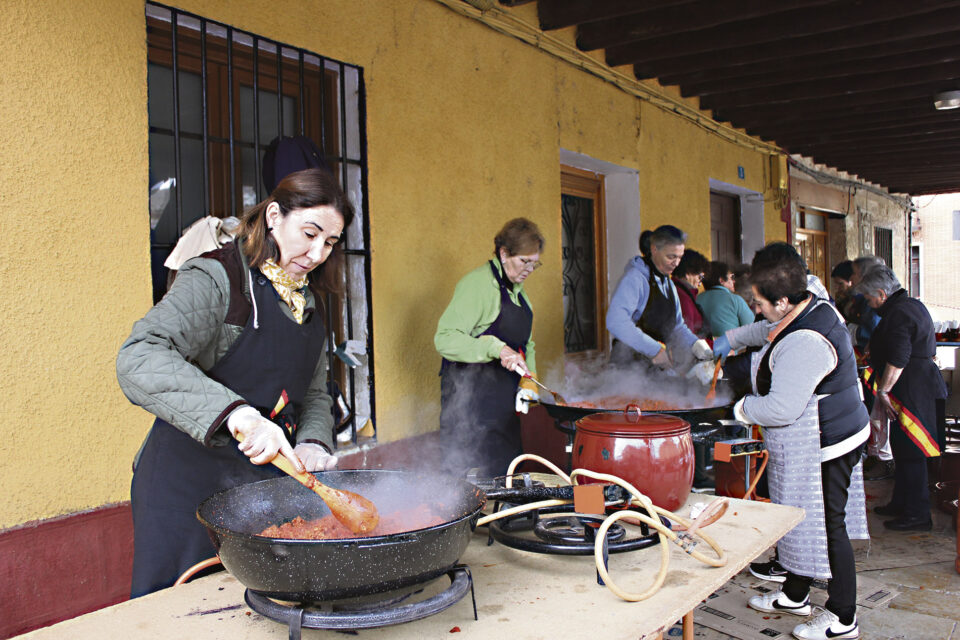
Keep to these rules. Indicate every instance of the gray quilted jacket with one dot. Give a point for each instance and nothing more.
(161, 365)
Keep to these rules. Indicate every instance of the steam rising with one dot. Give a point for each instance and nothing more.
(597, 378)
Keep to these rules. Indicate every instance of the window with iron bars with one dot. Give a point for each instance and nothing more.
(883, 245)
(217, 97)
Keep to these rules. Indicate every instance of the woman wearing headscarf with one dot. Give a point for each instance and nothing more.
(907, 384)
(235, 348)
(485, 337)
(806, 396)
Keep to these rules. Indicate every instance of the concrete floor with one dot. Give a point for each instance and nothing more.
(918, 565)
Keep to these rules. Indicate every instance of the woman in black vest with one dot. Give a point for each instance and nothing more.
(234, 348)
(907, 384)
(814, 426)
(485, 338)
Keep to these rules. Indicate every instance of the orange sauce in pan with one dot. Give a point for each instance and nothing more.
(329, 528)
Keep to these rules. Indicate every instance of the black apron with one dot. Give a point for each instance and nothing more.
(478, 400)
(175, 473)
(658, 320)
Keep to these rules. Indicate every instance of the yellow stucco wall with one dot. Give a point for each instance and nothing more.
(464, 127)
(73, 250)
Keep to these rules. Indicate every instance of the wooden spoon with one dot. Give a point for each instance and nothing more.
(353, 510)
(712, 394)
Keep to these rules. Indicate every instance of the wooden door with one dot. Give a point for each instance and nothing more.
(725, 229)
(810, 240)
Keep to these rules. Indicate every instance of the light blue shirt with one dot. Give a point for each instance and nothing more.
(627, 305)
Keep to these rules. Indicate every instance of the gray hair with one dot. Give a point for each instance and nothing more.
(879, 278)
(667, 234)
(866, 263)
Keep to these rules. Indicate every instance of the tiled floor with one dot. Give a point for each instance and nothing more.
(918, 565)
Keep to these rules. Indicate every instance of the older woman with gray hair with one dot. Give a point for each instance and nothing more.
(906, 383)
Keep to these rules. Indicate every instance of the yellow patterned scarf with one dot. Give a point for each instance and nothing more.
(287, 287)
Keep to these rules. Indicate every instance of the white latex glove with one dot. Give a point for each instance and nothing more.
(511, 360)
(524, 398)
(350, 351)
(701, 350)
(702, 372)
(315, 457)
(738, 413)
(262, 439)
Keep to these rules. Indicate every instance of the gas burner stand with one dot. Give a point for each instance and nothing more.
(349, 615)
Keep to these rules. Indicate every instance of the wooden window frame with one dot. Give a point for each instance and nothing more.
(590, 185)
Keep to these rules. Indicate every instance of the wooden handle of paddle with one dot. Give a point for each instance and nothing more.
(280, 461)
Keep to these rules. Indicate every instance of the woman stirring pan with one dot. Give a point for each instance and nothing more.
(485, 338)
(806, 396)
(235, 348)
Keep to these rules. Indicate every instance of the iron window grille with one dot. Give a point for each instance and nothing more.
(883, 245)
(217, 97)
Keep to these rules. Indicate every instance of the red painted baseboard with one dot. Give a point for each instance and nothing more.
(56, 569)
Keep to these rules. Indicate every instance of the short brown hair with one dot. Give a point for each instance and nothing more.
(778, 272)
(519, 237)
(299, 190)
(716, 272)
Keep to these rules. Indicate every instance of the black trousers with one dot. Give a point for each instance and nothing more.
(842, 588)
(911, 497)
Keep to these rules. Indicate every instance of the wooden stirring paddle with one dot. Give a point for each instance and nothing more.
(353, 510)
(712, 394)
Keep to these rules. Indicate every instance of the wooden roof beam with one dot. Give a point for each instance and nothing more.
(693, 17)
(905, 129)
(862, 123)
(558, 14)
(926, 142)
(739, 116)
(655, 64)
(835, 72)
(788, 63)
(945, 74)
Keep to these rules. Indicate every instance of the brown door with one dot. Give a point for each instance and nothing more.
(724, 229)
(810, 240)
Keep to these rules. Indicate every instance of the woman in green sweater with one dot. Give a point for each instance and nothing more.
(485, 338)
(722, 308)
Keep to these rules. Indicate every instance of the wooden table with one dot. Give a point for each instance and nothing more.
(518, 593)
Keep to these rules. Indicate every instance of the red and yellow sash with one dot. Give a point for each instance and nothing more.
(908, 422)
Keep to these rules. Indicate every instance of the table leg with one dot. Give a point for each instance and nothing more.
(688, 626)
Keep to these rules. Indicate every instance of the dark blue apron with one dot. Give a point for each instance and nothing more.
(175, 473)
(658, 320)
(478, 400)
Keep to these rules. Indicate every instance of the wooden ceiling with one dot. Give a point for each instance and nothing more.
(848, 83)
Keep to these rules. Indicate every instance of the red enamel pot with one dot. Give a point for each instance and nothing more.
(653, 452)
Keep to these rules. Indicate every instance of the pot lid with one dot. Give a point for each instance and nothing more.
(632, 422)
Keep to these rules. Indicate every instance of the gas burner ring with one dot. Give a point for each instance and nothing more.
(575, 528)
(364, 617)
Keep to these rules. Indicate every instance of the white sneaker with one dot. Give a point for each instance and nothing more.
(778, 602)
(826, 626)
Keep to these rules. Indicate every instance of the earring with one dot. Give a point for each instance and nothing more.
(269, 229)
